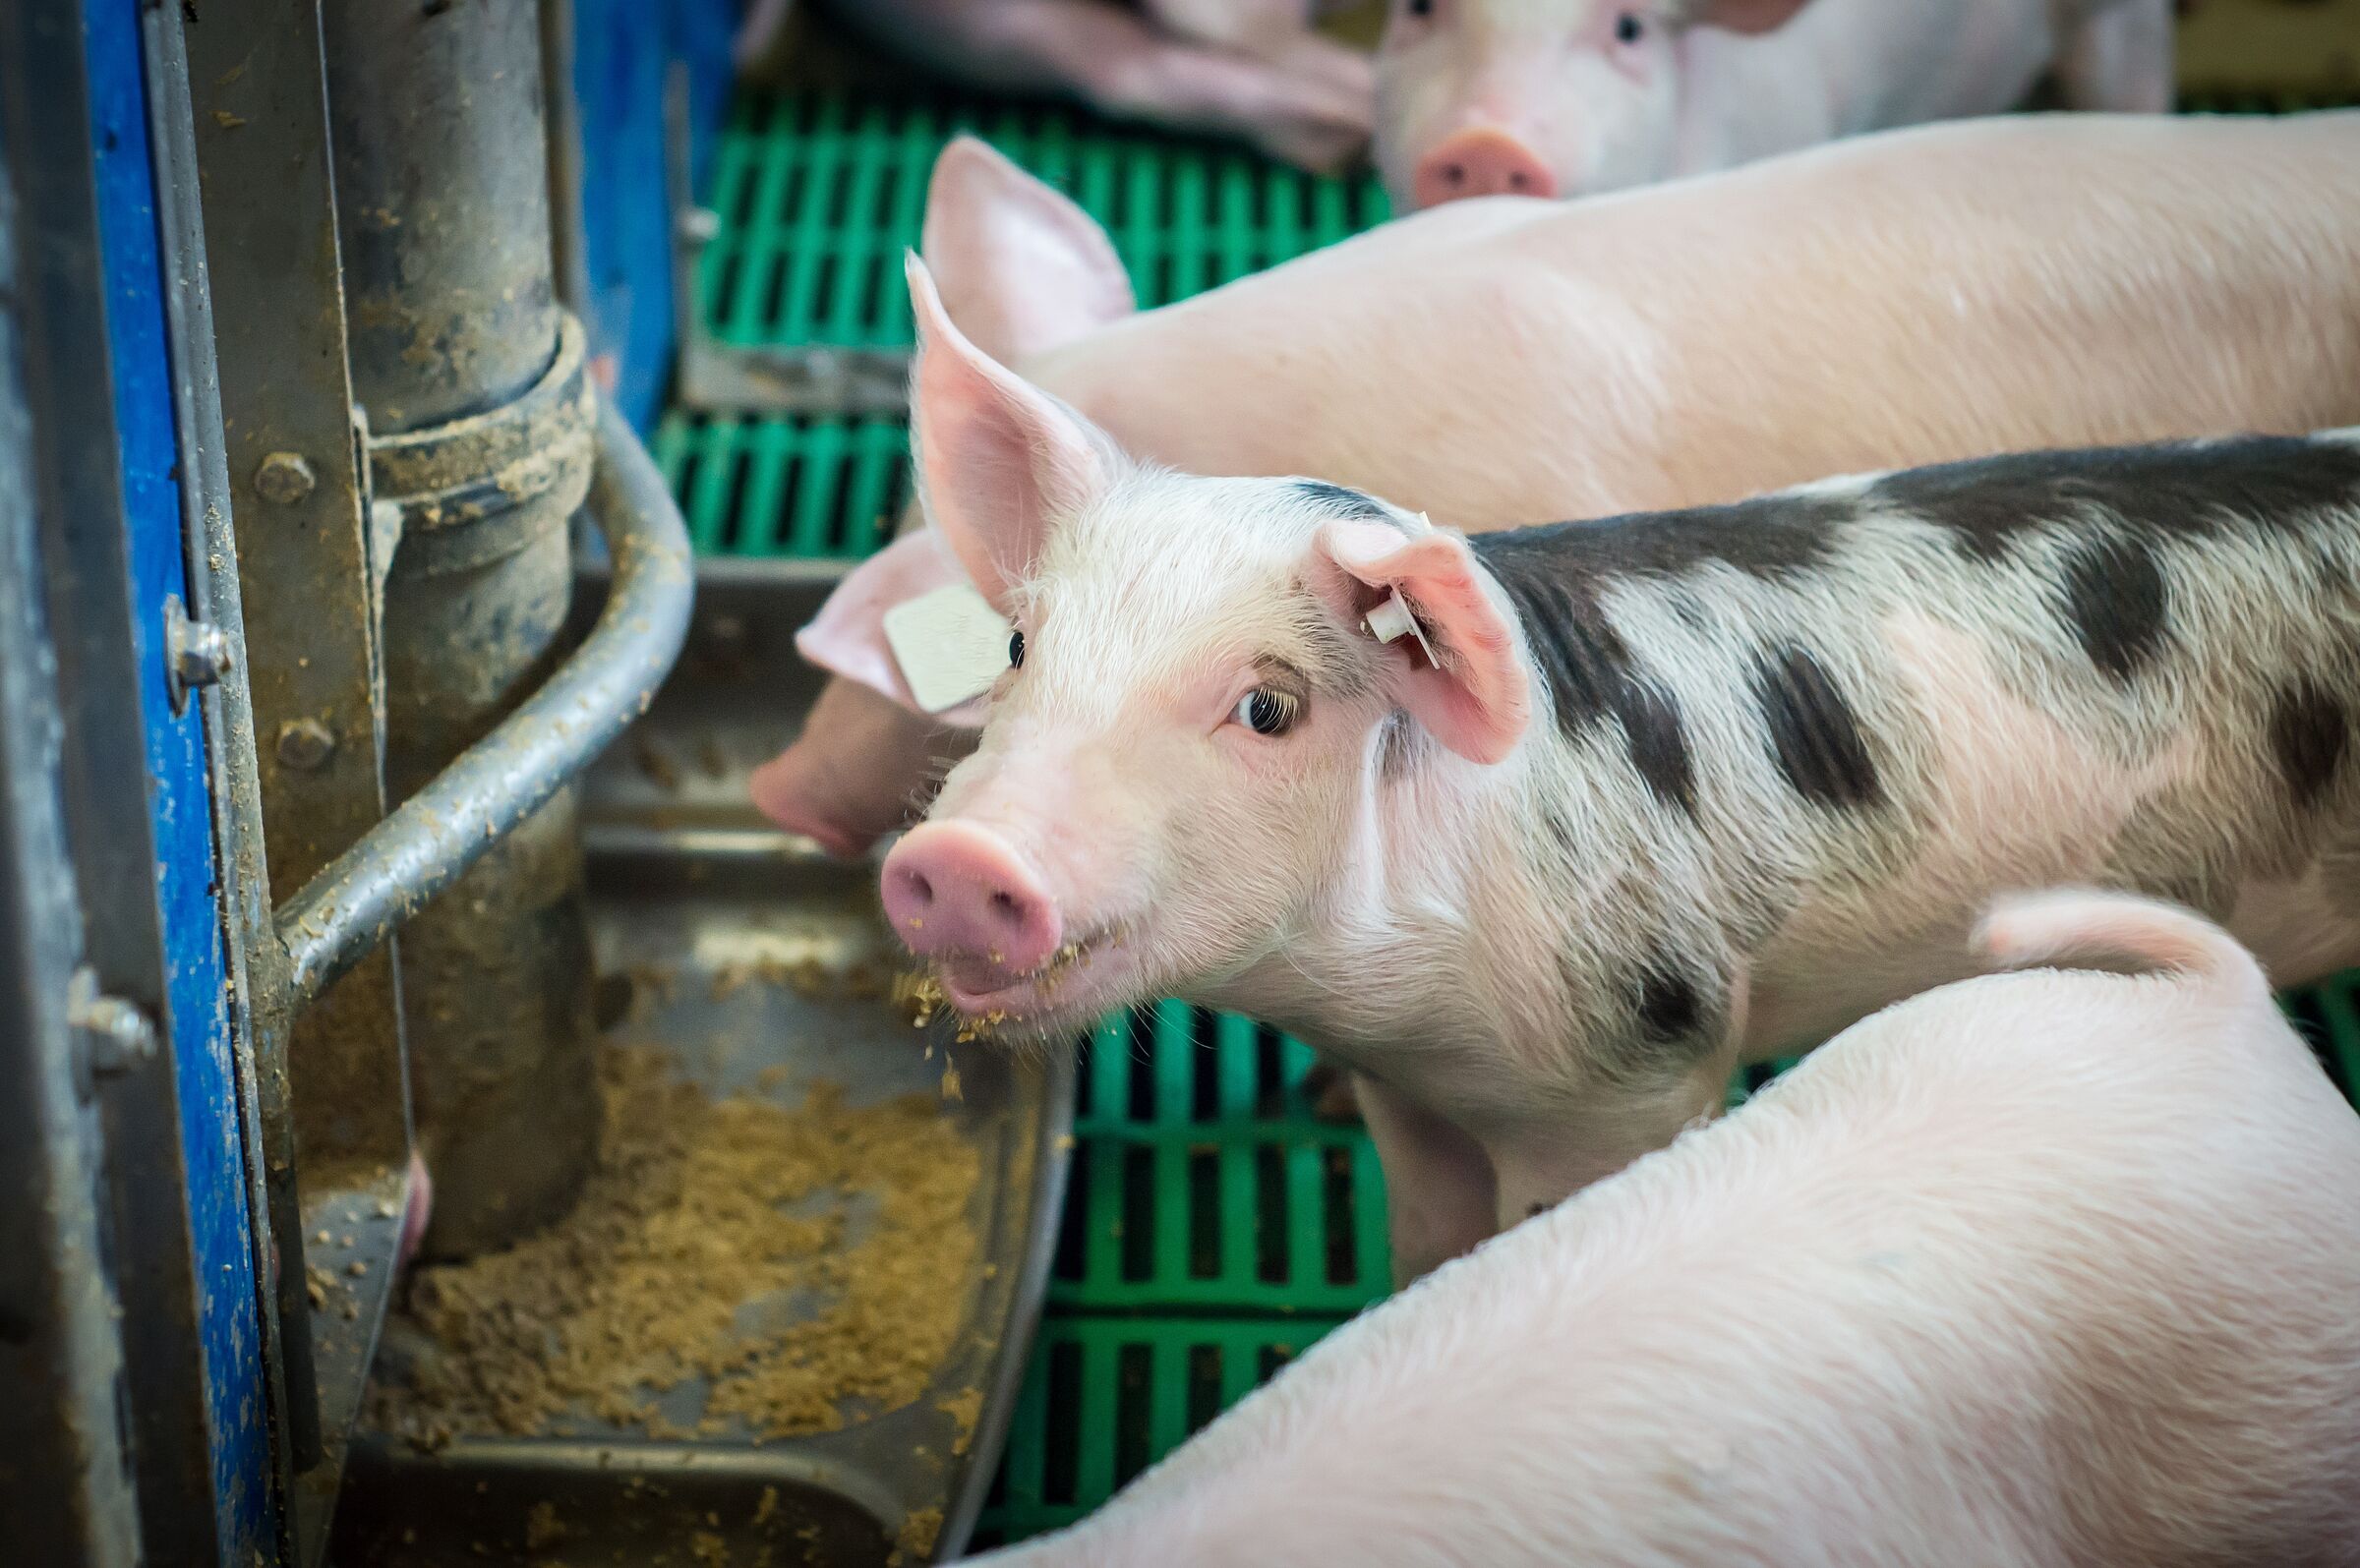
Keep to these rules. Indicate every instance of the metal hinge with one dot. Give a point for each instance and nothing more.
(195, 652)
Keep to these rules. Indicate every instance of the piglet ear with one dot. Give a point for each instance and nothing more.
(1749, 17)
(1476, 698)
(999, 460)
(847, 636)
(1023, 269)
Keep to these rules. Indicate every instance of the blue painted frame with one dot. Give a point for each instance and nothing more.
(621, 49)
(179, 799)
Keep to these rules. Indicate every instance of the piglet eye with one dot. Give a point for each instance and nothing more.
(1015, 650)
(1627, 27)
(1267, 712)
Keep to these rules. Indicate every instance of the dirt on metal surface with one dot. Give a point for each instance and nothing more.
(789, 1260)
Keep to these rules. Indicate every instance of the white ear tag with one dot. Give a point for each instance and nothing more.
(1392, 619)
(951, 645)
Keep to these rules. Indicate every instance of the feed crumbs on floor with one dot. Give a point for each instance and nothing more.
(699, 1208)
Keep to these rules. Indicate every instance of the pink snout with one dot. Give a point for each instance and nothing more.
(1483, 162)
(957, 891)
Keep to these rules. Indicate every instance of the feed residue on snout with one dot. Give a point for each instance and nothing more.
(919, 997)
(701, 1211)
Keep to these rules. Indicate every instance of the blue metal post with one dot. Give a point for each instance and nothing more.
(188, 876)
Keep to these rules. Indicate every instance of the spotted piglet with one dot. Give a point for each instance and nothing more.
(2041, 1270)
(1542, 833)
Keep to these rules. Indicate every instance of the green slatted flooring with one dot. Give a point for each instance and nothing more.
(1213, 1228)
(817, 199)
(1199, 1182)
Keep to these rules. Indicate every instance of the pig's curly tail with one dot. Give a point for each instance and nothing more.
(2025, 930)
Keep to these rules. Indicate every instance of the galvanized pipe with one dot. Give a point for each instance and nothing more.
(442, 203)
(444, 827)
(474, 387)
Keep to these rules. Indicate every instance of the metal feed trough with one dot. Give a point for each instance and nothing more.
(689, 897)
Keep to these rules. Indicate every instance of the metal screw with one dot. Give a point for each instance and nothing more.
(195, 652)
(699, 225)
(306, 745)
(284, 477)
(117, 1035)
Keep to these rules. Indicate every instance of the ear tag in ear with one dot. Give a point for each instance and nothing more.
(951, 646)
(1393, 620)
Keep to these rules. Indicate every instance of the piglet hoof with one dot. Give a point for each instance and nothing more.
(1315, 147)
(414, 1217)
(779, 792)
(1321, 127)
(850, 777)
(1330, 1090)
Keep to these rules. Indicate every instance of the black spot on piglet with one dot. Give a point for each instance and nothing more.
(2115, 602)
(1345, 502)
(1669, 1006)
(1815, 735)
(1659, 746)
(2309, 732)
(1591, 678)
(2170, 490)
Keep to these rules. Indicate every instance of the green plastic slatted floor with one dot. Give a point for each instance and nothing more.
(1213, 1228)
(817, 196)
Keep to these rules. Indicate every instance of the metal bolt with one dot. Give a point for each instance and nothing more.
(195, 652)
(699, 225)
(306, 745)
(284, 477)
(117, 1036)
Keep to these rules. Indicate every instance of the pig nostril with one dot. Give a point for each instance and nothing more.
(1517, 180)
(1454, 175)
(960, 894)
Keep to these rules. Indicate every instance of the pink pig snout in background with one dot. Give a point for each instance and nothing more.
(1488, 161)
(2052, 1270)
(1573, 97)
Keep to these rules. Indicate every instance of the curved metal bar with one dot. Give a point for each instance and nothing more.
(356, 902)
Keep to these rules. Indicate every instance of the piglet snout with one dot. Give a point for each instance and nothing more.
(954, 889)
(1481, 162)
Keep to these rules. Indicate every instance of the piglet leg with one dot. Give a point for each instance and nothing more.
(1329, 1087)
(857, 770)
(1257, 27)
(1307, 100)
(1439, 1187)
(420, 1209)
